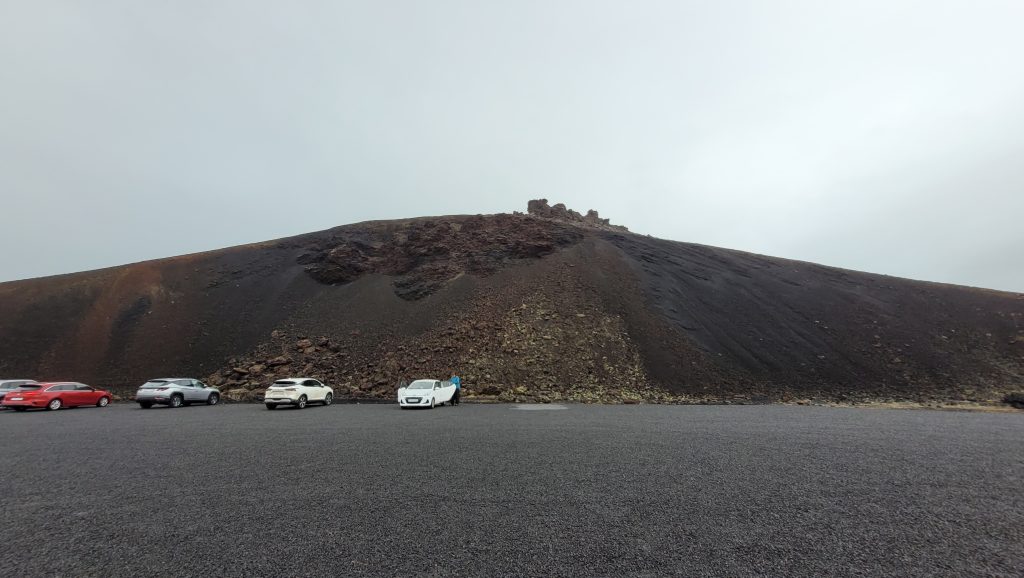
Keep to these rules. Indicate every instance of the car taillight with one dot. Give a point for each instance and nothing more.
(161, 389)
(289, 389)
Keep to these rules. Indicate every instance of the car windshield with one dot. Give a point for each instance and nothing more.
(422, 385)
(154, 383)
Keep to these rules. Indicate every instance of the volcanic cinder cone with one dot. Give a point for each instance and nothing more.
(547, 305)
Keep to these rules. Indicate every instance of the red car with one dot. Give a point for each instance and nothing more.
(54, 396)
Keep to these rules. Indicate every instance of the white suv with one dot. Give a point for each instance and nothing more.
(297, 391)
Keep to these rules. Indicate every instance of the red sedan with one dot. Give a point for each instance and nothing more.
(54, 396)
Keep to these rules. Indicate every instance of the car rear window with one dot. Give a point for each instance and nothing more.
(284, 383)
(154, 383)
(29, 386)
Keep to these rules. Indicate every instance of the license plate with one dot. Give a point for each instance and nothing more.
(16, 399)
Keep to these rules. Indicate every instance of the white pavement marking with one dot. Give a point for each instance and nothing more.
(538, 406)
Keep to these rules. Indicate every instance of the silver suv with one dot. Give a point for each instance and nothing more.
(176, 392)
(9, 385)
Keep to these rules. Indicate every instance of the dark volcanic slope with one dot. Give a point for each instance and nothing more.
(524, 307)
(810, 326)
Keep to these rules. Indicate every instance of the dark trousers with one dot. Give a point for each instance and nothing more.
(455, 398)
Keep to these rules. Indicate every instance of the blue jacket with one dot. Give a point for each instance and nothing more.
(456, 382)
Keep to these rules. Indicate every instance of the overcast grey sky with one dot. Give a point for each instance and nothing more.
(882, 135)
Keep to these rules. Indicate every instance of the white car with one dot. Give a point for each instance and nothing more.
(425, 393)
(297, 391)
(9, 385)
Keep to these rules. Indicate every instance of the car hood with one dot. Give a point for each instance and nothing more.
(415, 392)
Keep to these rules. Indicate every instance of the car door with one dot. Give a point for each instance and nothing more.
(68, 395)
(202, 391)
(85, 395)
(196, 389)
(65, 392)
(188, 391)
(315, 390)
(444, 392)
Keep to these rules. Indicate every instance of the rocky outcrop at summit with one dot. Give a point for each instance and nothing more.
(559, 212)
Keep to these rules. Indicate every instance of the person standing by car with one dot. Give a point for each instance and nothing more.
(458, 389)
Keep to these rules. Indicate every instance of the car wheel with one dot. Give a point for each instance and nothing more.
(329, 399)
(54, 404)
(103, 402)
(302, 402)
(177, 400)
(145, 404)
(431, 404)
(271, 406)
(214, 399)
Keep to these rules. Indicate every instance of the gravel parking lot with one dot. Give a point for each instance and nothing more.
(487, 489)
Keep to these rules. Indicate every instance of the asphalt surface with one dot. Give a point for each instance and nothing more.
(492, 490)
